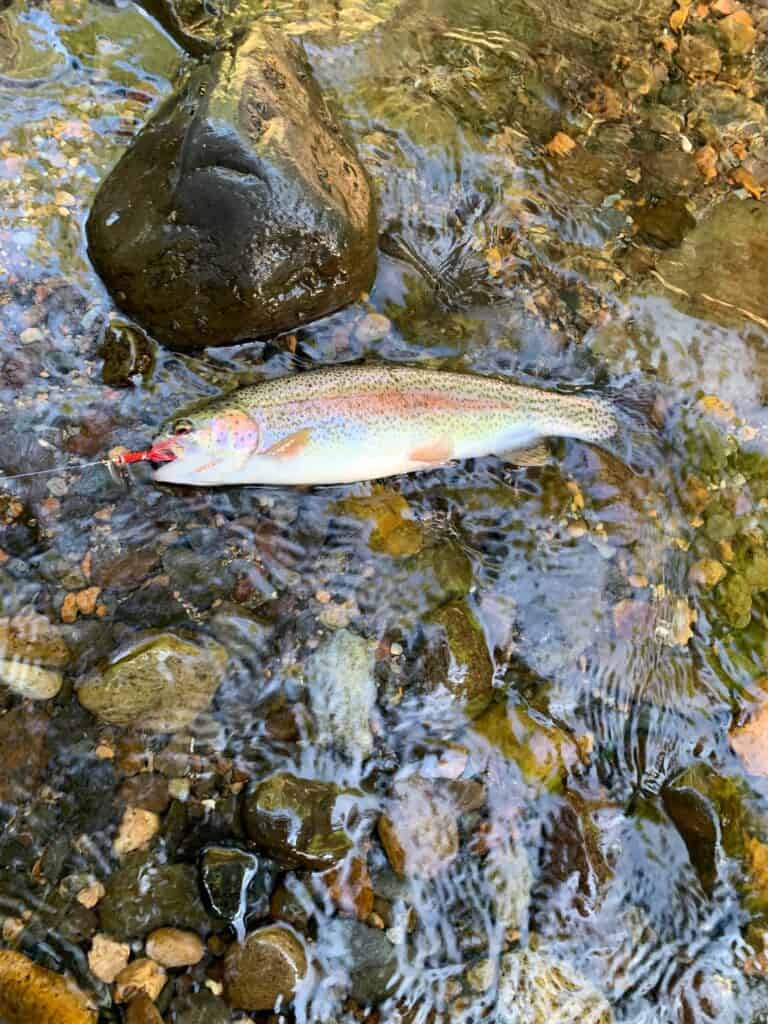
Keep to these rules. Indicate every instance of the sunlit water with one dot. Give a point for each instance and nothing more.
(494, 258)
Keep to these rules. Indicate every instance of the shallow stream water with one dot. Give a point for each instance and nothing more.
(594, 837)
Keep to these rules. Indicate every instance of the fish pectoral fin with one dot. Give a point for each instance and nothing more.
(536, 454)
(290, 446)
(439, 450)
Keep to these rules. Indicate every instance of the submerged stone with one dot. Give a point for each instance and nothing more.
(365, 955)
(539, 989)
(268, 966)
(342, 689)
(665, 223)
(240, 209)
(541, 750)
(142, 896)
(32, 655)
(30, 994)
(458, 657)
(302, 823)
(232, 878)
(128, 354)
(419, 831)
(724, 258)
(159, 685)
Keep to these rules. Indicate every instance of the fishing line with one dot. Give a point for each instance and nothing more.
(59, 469)
(116, 461)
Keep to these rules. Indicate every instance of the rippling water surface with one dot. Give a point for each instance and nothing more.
(593, 838)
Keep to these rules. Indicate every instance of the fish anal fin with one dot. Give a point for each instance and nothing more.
(536, 454)
(439, 450)
(290, 446)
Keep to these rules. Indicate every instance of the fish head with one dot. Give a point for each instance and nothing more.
(205, 446)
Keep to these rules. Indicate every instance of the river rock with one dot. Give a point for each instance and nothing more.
(240, 209)
(201, 1007)
(140, 976)
(141, 1010)
(542, 751)
(458, 657)
(32, 655)
(304, 823)
(106, 958)
(266, 967)
(726, 258)
(142, 896)
(339, 676)
(539, 989)
(698, 57)
(232, 880)
(30, 994)
(419, 830)
(128, 355)
(175, 947)
(158, 685)
(365, 955)
(23, 741)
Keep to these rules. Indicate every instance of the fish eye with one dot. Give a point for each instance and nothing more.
(182, 427)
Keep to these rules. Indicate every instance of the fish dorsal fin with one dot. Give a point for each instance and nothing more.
(290, 446)
(536, 454)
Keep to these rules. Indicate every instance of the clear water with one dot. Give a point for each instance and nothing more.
(498, 258)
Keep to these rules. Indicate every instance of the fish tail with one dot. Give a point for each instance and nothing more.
(639, 412)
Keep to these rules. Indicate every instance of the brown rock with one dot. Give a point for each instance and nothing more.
(141, 1010)
(419, 833)
(268, 965)
(158, 685)
(148, 790)
(90, 895)
(302, 822)
(107, 958)
(750, 741)
(30, 994)
(738, 32)
(32, 654)
(173, 947)
(707, 572)
(23, 733)
(32, 637)
(698, 57)
(349, 886)
(142, 975)
(136, 830)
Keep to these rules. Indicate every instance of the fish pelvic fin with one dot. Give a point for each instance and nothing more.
(437, 451)
(536, 454)
(290, 446)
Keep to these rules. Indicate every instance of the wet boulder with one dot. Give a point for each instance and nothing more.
(542, 990)
(30, 994)
(240, 209)
(32, 655)
(142, 896)
(304, 823)
(158, 685)
(343, 692)
(458, 658)
(267, 967)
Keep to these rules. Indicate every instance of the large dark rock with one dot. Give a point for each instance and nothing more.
(240, 209)
(142, 896)
(304, 823)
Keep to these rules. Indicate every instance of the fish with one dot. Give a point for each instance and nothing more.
(351, 423)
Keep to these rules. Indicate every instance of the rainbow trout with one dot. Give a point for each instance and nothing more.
(349, 423)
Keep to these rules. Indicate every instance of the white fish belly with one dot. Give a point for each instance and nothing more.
(299, 470)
